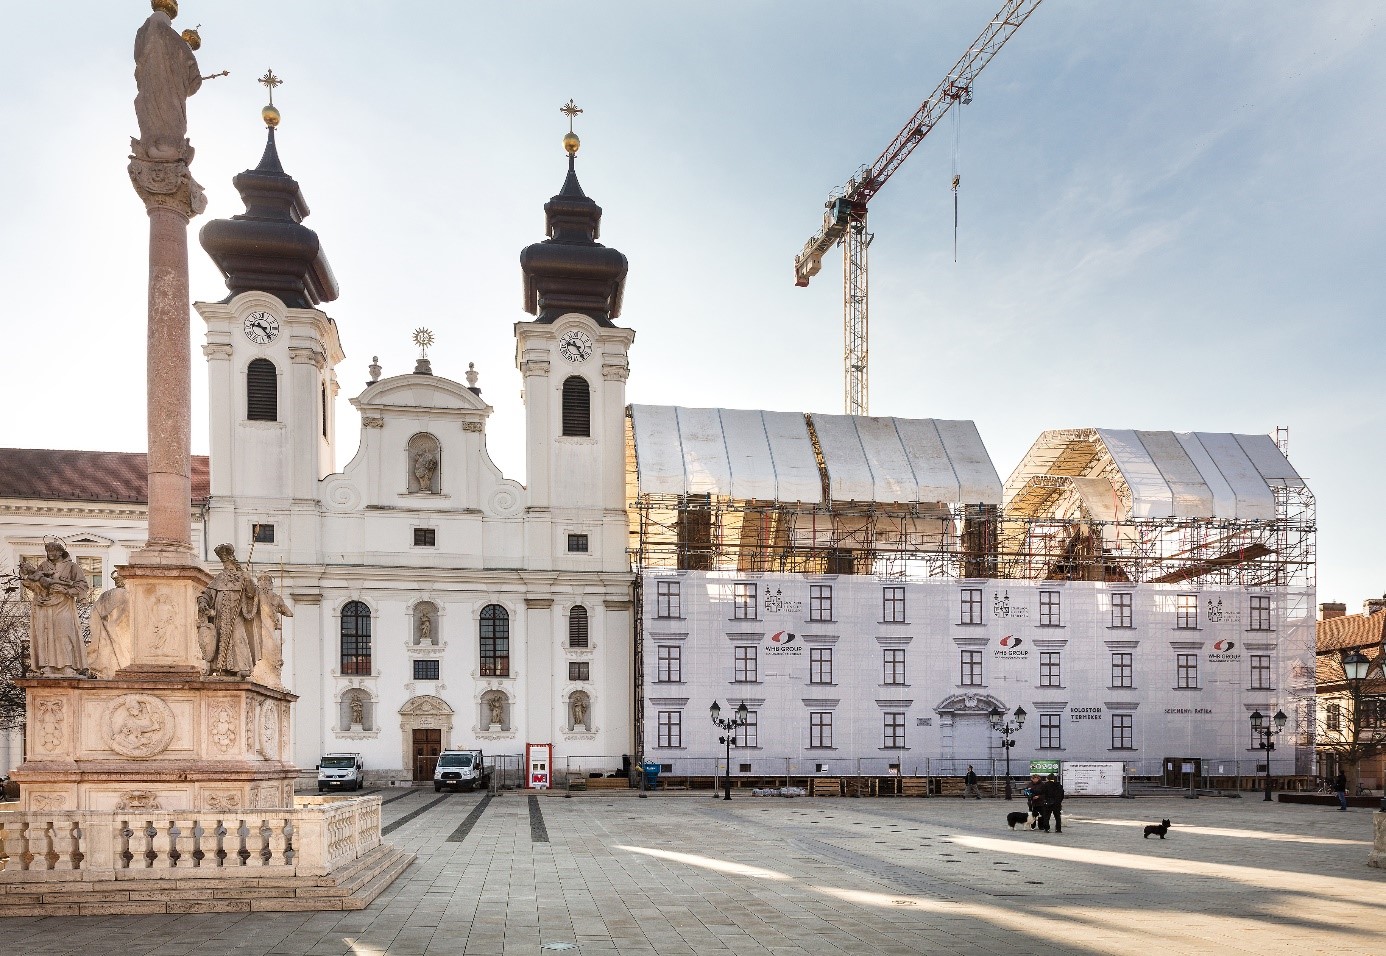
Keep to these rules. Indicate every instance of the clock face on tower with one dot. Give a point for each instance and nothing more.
(261, 328)
(575, 346)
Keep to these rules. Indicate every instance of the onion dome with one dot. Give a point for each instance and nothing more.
(570, 271)
(267, 248)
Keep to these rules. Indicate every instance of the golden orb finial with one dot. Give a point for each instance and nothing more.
(271, 116)
(571, 143)
(167, 6)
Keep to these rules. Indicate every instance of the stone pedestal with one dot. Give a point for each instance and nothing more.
(156, 745)
(1378, 854)
(163, 607)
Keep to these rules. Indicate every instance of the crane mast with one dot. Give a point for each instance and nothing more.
(845, 218)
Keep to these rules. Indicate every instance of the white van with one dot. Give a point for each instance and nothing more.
(340, 772)
(461, 770)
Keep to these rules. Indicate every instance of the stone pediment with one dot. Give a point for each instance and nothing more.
(425, 706)
(410, 393)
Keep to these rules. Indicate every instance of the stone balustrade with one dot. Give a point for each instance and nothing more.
(313, 838)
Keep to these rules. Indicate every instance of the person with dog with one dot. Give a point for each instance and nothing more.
(1340, 788)
(1053, 795)
(1033, 799)
(970, 781)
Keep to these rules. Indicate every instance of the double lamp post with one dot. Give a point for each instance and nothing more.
(1007, 730)
(729, 726)
(1266, 730)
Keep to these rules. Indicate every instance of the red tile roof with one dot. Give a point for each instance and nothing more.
(114, 476)
(1351, 630)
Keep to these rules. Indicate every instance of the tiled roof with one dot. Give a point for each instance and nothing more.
(114, 476)
(1351, 630)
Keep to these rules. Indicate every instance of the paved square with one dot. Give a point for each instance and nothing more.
(686, 874)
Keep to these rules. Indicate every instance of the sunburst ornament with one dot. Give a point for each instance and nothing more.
(423, 338)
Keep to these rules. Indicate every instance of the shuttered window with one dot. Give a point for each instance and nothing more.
(577, 408)
(261, 391)
(577, 627)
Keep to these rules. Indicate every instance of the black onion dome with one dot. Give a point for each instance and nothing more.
(267, 248)
(570, 271)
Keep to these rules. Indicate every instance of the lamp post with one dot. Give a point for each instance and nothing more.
(1355, 666)
(1007, 730)
(729, 726)
(1266, 730)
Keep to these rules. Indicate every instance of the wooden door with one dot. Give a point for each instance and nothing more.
(427, 743)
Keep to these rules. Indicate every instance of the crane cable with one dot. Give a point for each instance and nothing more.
(957, 179)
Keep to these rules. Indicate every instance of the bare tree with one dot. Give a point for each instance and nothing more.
(1351, 715)
(14, 650)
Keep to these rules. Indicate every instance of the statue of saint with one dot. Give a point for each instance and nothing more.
(166, 74)
(426, 629)
(496, 704)
(425, 467)
(269, 647)
(580, 711)
(230, 604)
(55, 636)
(112, 641)
(358, 713)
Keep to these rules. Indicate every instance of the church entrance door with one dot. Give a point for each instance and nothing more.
(427, 743)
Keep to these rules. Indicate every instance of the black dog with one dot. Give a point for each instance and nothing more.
(1016, 819)
(1158, 831)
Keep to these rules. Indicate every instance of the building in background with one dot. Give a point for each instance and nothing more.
(1349, 721)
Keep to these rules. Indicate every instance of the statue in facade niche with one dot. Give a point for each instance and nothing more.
(55, 635)
(229, 608)
(358, 713)
(425, 467)
(579, 711)
(497, 707)
(426, 629)
(112, 641)
(166, 74)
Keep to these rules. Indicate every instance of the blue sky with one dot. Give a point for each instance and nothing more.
(1171, 214)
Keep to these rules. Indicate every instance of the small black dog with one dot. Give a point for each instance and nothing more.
(1158, 831)
(1016, 819)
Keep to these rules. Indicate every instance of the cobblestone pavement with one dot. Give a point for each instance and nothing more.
(687, 874)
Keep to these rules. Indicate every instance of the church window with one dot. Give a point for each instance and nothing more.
(495, 641)
(261, 391)
(579, 670)
(577, 408)
(356, 638)
(425, 537)
(324, 410)
(577, 627)
(577, 543)
(262, 533)
(426, 670)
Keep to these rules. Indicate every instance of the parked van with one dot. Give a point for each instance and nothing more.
(340, 772)
(461, 770)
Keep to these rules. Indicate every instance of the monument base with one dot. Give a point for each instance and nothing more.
(172, 745)
(323, 854)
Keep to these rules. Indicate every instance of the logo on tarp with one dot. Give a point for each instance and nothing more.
(1224, 646)
(1010, 647)
(1009, 641)
(782, 638)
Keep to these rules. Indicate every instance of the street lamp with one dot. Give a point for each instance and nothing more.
(729, 725)
(1007, 731)
(1266, 731)
(1355, 666)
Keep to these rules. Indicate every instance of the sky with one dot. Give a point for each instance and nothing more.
(1170, 215)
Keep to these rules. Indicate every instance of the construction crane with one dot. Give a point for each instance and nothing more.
(845, 219)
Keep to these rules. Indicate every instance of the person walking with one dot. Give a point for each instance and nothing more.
(1033, 799)
(1340, 788)
(971, 784)
(1053, 794)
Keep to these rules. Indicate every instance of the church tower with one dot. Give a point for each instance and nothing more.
(271, 356)
(573, 358)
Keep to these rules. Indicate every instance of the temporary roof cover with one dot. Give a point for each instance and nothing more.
(1167, 474)
(766, 455)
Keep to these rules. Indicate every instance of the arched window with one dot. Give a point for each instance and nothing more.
(261, 391)
(495, 641)
(577, 627)
(577, 407)
(356, 638)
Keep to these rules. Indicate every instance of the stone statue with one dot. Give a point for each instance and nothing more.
(358, 713)
(580, 711)
(166, 74)
(55, 636)
(425, 467)
(231, 605)
(426, 629)
(269, 647)
(112, 641)
(496, 704)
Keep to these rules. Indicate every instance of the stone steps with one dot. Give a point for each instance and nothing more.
(353, 887)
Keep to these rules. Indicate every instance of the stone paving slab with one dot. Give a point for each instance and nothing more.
(682, 874)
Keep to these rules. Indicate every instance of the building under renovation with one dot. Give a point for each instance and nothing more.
(872, 593)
